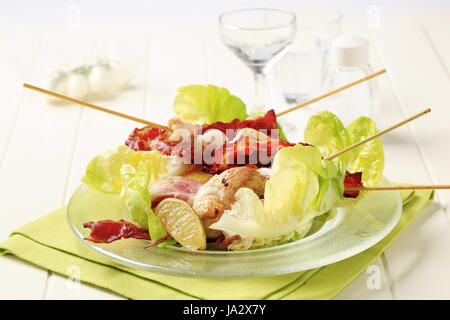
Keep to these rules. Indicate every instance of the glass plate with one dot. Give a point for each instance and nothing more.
(349, 232)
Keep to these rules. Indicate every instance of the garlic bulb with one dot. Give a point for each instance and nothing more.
(77, 86)
(101, 82)
(103, 78)
(57, 82)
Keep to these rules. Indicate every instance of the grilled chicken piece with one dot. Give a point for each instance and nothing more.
(177, 124)
(217, 195)
(191, 136)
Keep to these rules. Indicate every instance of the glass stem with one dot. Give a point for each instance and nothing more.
(260, 94)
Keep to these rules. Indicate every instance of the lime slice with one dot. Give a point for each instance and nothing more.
(182, 223)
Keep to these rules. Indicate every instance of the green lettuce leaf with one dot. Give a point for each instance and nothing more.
(369, 157)
(281, 133)
(103, 172)
(301, 186)
(137, 198)
(128, 173)
(256, 114)
(135, 192)
(329, 175)
(325, 131)
(208, 104)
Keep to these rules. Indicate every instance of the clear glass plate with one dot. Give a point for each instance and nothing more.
(349, 232)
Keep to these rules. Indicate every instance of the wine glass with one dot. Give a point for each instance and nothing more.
(258, 36)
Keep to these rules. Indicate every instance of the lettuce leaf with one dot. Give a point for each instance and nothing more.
(128, 173)
(281, 132)
(325, 131)
(369, 157)
(137, 198)
(301, 186)
(329, 175)
(103, 172)
(134, 191)
(208, 104)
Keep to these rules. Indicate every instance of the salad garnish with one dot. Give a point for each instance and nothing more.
(248, 187)
(200, 105)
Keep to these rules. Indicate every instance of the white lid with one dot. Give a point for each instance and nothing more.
(350, 51)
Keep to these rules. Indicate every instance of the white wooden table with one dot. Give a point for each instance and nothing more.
(44, 149)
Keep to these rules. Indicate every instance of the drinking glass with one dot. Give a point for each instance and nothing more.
(300, 71)
(297, 76)
(258, 36)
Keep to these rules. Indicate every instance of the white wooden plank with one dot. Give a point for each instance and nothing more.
(40, 151)
(176, 59)
(418, 260)
(17, 53)
(99, 132)
(436, 28)
(419, 80)
(21, 280)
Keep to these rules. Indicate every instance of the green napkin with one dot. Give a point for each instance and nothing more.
(48, 243)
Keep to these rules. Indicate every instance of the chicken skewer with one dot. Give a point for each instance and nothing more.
(176, 124)
(218, 194)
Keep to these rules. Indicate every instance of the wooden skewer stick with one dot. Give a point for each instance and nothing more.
(303, 104)
(93, 106)
(337, 154)
(412, 187)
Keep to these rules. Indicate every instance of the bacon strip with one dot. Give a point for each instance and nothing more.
(267, 122)
(150, 138)
(352, 180)
(107, 231)
(245, 150)
(248, 149)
